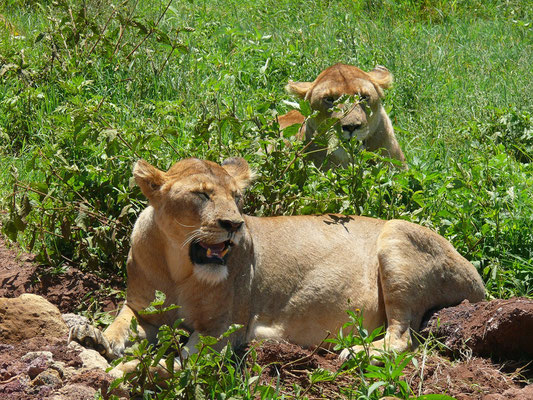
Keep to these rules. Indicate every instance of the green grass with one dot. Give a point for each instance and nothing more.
(76, 111)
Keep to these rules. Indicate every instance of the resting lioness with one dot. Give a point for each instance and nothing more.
(289, 278)
(364, 118)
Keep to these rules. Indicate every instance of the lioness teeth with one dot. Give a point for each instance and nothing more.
(216, 251)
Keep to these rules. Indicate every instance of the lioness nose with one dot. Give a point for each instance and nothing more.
(229, 225)
(349, 128)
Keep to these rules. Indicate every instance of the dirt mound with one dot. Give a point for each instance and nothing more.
(501, 329)
(69, 291)
(471, 379)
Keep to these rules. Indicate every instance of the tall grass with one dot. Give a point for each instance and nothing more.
(88, 87)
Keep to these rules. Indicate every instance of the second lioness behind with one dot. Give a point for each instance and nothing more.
(362, 119)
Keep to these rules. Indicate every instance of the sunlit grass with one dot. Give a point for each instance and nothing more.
(460, 105)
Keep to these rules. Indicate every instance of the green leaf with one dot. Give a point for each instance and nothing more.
(40, 186)
(19, 222)
(321, 375)
(160, 353)
(81, 220)
(253, 379)
(39, 37)
(199, 393)
(10, 230)
(233, 328)
(162, 37)
(26, 206)
(375, 386)
(399, 369)
(305, 108)
(134, 325)
(160, 298)
(291, 130)
(208, 340)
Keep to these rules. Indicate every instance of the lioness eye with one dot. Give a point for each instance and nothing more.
(202, 195)
(238, 198)
(330, 99)
(364, 97)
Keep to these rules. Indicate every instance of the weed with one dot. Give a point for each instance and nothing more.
(169, 370)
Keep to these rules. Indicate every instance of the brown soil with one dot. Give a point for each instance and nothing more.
(291, 365)
(494, 329)
(70, 291)
(468, 378)
(473, 378)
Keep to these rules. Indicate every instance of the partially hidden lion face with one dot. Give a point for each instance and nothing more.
(197, 205)
(357, 117)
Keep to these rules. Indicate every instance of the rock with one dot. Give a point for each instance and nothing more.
(74, 319)
(28, 316)
(74, 392)
(94, 378)
(499, 328)
(32, 355)
(49, 377)
(14, 385)
(38, 365)
(89, 357)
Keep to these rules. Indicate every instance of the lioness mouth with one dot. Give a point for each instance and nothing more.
(209, 253)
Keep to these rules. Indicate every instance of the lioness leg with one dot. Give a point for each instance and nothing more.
(419, 270)
(113, 340)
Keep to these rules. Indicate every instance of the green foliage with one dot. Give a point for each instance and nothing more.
(512, 128)
(379, 372)
(167, 370)
(87, 89)
(170, 370)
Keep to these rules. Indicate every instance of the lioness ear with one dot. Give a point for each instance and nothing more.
(299, 89)
(381, 76)
(148, 177)
(239, 169)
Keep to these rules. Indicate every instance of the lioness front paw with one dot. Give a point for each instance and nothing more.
(351, 353)
(91, 337)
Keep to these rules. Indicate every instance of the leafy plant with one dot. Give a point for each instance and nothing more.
(378, 372)
(167, 370)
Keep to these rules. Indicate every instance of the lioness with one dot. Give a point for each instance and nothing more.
(290, 278)
(364, 118)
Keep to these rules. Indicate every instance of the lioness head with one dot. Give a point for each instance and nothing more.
(197, 206)
(357, 117)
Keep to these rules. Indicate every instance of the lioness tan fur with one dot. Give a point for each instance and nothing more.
(288, 278)
(364, 118)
